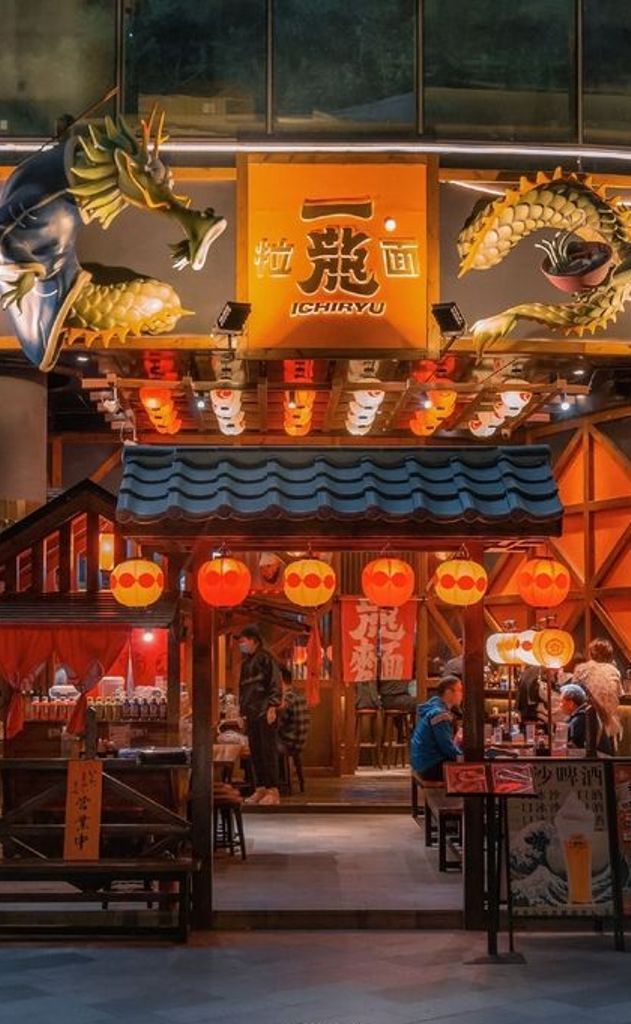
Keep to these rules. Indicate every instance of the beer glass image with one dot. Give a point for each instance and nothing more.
(575, 826)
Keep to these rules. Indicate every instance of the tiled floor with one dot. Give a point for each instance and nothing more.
(334, 862)
(368, 786)
(318, 978)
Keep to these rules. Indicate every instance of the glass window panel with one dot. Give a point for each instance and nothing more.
(203, 61)
(344, 66)
(607, 71)
(56, 57)
(499, 70)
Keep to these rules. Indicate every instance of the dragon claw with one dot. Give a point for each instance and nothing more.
(180, 254)
(23, 285)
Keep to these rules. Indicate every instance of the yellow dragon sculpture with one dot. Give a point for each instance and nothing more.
(564, 202)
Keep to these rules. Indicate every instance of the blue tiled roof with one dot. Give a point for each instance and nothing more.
(482, 488)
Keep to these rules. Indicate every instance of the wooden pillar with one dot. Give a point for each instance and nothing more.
(473, 649)
(37, 568)
(201, 788)
(173, 680)
(65, 557)
(92, 552)
(422, 628)
(338, 704)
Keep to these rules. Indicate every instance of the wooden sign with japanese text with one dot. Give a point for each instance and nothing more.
(336, 255)
(82, 833)
(371, 634)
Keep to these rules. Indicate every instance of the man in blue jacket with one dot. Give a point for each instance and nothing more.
(433, 737)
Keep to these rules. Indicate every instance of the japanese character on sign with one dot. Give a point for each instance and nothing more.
(338, 255)
(400, 257)
(273, 258)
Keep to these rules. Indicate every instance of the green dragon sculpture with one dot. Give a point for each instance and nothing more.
(92, 176)
(565, 202)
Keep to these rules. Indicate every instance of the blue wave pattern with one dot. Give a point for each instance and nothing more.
(440, 485)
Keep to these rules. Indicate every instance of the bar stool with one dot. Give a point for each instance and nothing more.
(228, 822)
(396, 737)
(368, 734)
(286, 759)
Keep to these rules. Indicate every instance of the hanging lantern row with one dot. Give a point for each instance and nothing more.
(227, 402)
(545, 648)
(427, 370)
(298, 412)
(160, 408)
(441, 404)
(543, 582)
(461, 582)
(224, 582)
(137, 583)
(309, 582)
(507, 405)
(388, 582)
(364, 405)
(298, 371)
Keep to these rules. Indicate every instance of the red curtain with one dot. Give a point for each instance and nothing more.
(148, 656)
(87, 655)
(23, 651)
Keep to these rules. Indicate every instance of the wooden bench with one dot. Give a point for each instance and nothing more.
(93, 881)
(443, 817)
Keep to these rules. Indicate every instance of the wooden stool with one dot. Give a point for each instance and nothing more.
(287, 758)
(368, 734)
(396, 737)
(228, 826)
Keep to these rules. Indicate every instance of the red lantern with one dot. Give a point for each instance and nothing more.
(543, 582)
(137, 582)
(388, 582)
(309, 582)
(224, 582)
(461, 582)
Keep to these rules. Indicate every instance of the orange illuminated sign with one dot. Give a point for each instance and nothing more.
(336, 255)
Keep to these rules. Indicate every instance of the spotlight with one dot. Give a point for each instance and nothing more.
(450, 320)
(201, 403)
(427, 402)
(83, 359)
(291, 400)
(390, 224)
(148, 636)
(233, 318)
(580, 371)
(565, 404)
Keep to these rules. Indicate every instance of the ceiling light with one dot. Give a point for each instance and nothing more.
(427, 402)
(201, 403)
(83, 359)
(580, 371)
(148, 636)
(565, 404)
(390, 224)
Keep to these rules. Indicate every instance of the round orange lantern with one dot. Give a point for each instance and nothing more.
(543, 582)
(460, 581)
(137, 582)
(309, 582)
(224, 582)
(388, 582)
(553, 648)
(504, 648)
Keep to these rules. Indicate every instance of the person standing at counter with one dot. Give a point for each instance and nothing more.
(432, 740)
(260, 697)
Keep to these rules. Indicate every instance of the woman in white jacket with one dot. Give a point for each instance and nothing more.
(600, 677)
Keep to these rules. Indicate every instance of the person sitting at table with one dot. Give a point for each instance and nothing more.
(575, 705)
(293, 724)
(432, 740)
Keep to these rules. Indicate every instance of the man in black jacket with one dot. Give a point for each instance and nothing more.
(259, 698)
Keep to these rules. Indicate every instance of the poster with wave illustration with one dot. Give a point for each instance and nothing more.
(560, 864)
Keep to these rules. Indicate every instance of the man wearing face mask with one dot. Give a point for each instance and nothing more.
(260, 695)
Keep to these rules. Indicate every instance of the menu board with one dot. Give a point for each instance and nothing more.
(622, 784)
(497, 779)
(559, 861)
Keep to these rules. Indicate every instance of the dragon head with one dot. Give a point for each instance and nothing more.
(111, 168)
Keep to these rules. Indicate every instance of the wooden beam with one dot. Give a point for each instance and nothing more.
(201, 782)
(473, 726)
(37, 567)
(106, 466)
(56, 463)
